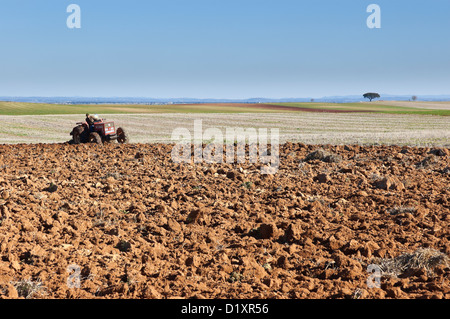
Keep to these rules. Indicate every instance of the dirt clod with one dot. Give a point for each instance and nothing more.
(322, 178)
(267, 231)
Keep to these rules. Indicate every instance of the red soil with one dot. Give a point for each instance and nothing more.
(288, 108)
(140, 226)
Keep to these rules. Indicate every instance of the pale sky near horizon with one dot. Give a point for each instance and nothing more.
(223, 49)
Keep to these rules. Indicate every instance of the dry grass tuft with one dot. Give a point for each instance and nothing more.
(402, 210)
(427, 162)
(27, 288)
(422, 258)
(322, 155)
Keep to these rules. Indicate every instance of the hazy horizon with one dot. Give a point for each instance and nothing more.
(338, 98)
(445, 95)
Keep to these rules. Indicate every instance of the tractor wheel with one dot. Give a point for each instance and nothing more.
(94, 137)
(76, 134)
(122, 136)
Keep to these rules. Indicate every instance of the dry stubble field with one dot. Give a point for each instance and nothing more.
(303, 127)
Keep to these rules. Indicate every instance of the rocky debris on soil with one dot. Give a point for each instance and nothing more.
(134, 224)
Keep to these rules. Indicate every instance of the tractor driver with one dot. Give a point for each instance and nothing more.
(90, 122)
(91, 119)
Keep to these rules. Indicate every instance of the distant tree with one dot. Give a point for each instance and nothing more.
(371, 96)
(312, 100)
(414, 98)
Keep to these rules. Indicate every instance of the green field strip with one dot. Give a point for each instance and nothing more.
(19, 108)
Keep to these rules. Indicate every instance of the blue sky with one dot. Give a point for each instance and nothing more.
(223, 49)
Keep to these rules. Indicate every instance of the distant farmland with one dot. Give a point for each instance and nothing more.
(407, 123)
(19, 108)
(425, 108)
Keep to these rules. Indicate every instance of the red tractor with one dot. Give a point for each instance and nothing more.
(98, 132)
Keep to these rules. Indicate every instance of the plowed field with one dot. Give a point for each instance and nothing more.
(124, 221)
